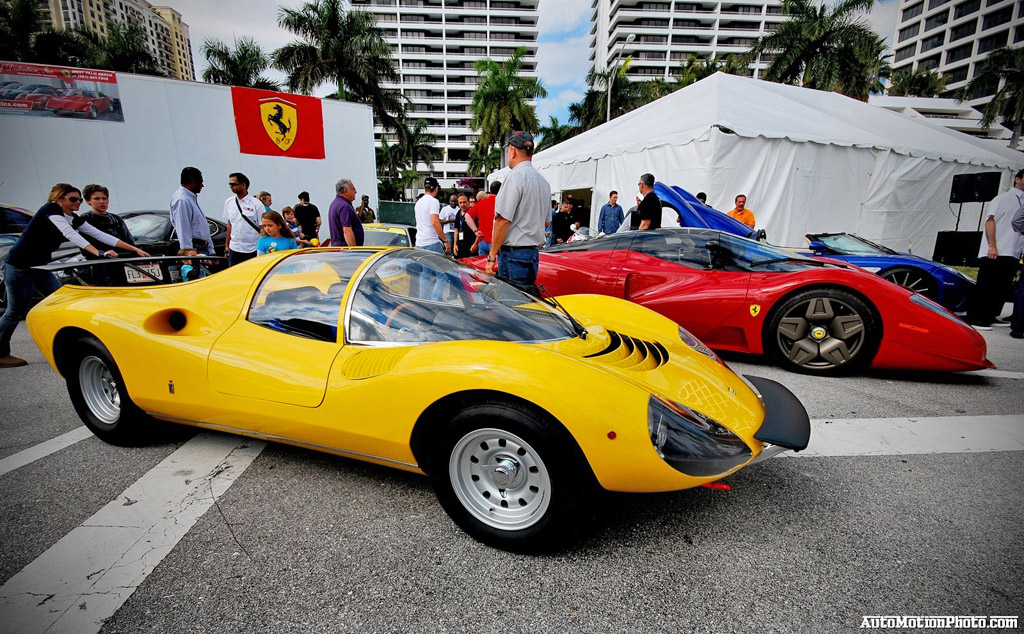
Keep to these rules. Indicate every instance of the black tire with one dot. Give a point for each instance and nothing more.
(92, 113)
(822, 331)
(98, 393)
(510, 479)
(914, 279)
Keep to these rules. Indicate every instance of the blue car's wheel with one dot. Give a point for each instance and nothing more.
(914, 279)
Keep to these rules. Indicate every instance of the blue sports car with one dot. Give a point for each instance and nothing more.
(938, 282)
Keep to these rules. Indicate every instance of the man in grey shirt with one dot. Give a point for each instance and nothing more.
(520, 215)
(188, 218)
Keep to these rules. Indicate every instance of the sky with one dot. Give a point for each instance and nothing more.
(563, 56)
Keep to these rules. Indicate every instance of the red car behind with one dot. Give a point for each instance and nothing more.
(85, 102)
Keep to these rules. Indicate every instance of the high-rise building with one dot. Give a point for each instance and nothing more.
(954, 37)
(182, 64)
(166, 35)
(666, 33)
(434, 46)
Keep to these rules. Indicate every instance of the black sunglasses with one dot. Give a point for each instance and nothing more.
(74, 199)
(233, 184)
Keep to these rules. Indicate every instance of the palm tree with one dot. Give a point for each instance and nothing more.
(1003, 72)
(240, 67)
(820, 46)
(68, 47)
(483, 161)
(417, 145)
(19, 20)
(499, 104)
(343, 47)
(917, 83)
(864, 76)
(555, 132)
(126, 50)
(697, 68)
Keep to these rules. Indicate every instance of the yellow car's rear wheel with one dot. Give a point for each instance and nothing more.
(510, 478)
(97, 391)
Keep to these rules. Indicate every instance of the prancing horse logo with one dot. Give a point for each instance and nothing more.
(755, 309)
(280, 120)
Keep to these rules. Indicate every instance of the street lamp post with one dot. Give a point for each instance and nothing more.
(611, 75)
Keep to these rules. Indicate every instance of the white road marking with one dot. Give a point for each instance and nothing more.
(997, 374)
(86, 576)
(43, 449)
(918, 435)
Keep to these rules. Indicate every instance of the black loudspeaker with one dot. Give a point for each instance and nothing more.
(957, 248)
(974, 188)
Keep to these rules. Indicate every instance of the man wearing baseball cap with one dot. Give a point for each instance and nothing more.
(520, 215)
(429, 234)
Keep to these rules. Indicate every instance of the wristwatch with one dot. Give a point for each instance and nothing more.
(490, 258)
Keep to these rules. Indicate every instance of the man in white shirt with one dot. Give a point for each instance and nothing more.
(447, 216)
(243, 213)
(429, 234)
(998, 256)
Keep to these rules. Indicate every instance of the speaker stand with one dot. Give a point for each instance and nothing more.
(982, 215)
(959, 211)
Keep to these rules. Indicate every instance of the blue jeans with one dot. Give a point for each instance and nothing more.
(519, 265)
(1017, 320)
(431, 285)
(484, 248)
(20, 283)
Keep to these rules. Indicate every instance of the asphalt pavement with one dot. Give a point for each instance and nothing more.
(297, 541)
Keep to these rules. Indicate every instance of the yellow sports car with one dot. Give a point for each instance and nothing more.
(517, 407)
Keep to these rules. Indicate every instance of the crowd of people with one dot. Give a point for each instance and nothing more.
(507, 223)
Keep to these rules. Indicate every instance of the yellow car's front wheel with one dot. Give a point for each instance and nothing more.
(511, 478)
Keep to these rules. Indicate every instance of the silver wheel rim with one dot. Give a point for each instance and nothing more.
(821, 333)
(500, 479)
(99, 390)
(912, 280)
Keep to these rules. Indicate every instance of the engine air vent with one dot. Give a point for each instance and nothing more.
(372, 362)
(630, 353)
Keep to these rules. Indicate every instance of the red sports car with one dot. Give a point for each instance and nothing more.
(86, 102)
(40, 96)
(736, 294)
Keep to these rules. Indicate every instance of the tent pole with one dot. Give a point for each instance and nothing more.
(981, 215)
(959, 211)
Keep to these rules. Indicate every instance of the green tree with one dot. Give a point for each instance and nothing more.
(242, 66)
(483, 161)
(556, 132)
(68, 47)
(19, 21)
(696, 68)
(917, 83)
(821, 46)
(499, 104)
(126, 50)
(344, 48)
(1002, 73)
(417, 145)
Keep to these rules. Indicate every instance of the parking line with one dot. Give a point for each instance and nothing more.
(88, 574)
(997, 374)
(917, 435)
(43, 449)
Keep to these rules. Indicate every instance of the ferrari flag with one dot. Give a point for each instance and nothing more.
(278, 124)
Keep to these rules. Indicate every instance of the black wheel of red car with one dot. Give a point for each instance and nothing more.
(822, 331)
(915, 279)
(92, 112)
(510, 479)
(97, 391)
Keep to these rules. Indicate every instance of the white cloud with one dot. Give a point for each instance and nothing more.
(883, 18)
(563, 16)
(565, 62)
(557, 105)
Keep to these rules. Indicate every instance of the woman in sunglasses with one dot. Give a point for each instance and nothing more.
(54, 223)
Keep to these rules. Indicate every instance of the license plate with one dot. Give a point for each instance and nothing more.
(135, 277)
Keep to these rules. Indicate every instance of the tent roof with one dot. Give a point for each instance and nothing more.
(754, 108)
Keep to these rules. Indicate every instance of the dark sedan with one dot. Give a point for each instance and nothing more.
(154, 233)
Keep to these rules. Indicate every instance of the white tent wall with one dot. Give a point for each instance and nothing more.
(170, 124)
(808, 161)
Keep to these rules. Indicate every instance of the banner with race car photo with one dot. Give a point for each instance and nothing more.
(278, 124)
(42, 90)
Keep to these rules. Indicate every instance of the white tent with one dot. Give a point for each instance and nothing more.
(808, 161)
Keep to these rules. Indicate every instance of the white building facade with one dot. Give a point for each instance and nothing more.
(667, 32)
(434, 46)
(954, 37)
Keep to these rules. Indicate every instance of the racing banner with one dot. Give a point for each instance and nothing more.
(46, 91)
(278, 124)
